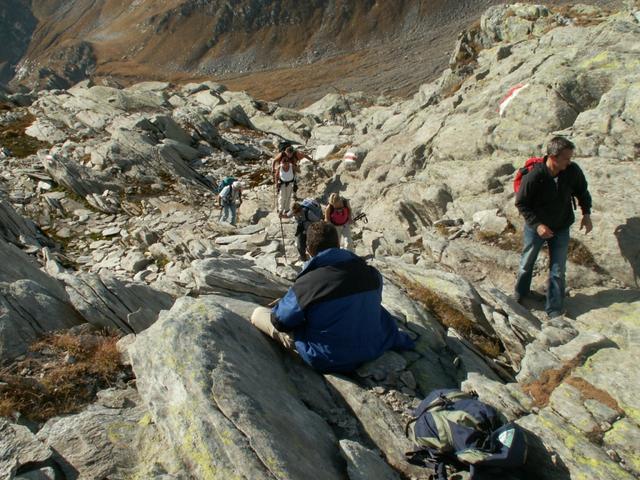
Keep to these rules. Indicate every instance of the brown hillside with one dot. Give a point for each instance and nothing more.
(280, 49)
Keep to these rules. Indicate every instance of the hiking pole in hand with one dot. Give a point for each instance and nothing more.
(361, 216)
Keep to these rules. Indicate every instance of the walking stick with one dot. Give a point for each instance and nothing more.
(284, 247)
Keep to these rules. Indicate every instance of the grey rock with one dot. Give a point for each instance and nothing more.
(106, 301)
(46, 131)
(510, 402)
(601, 412)
(612, 370)
(241, 413)
(170, 129)
(379, 422)
(582, 346)
(77, 178)
(576, 453)
(32, 302)
(537, 360)
(323, 151)
(18, 447)
(623, 437)
(187, 152)
(524, 324)
(450, 287)
(567, 402)
(17, 229)
(512, 343)
(365, 464)
(471, 359)
(135, 261)
(490, 221)
(236, 276)
(389, 362)
(114, 442)
(46, 473)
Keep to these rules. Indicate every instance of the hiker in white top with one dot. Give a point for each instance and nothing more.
(230, 198)
(280, 167)
(338, 213)
(285, 178)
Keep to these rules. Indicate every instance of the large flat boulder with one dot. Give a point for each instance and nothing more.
(217, 389)
(31, 302)
(106, 301)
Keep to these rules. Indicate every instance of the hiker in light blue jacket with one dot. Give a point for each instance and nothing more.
(230, 198)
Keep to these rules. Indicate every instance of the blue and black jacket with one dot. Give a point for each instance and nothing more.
(541, 199)
(334, 312)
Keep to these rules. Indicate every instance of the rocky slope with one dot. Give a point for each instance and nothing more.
(108, 219)
(287, 50)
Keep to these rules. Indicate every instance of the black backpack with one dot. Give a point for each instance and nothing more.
(451, 427)
(283, 145)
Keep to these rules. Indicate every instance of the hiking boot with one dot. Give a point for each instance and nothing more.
(530, 299)
(555, 315)
(536, 296)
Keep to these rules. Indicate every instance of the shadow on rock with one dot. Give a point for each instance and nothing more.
(582, 303)
(628, 236)
(333, 185)
(541, 463)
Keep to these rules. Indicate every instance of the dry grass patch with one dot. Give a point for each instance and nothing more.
(452, 89)
(510, 240)
(13, 137)
(541, 389)
(261, 176)
(590, 392)
(61, 374)
(451, 317)
(442, 229)
(581, 255)
(582, 19)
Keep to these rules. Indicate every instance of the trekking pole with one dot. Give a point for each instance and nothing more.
(284, 247)
(361, 216)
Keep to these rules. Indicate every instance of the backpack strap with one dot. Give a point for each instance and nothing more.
(427, 458)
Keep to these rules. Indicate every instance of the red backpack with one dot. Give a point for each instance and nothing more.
(528, 166)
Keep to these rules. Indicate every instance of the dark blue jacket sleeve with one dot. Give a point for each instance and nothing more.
(287, 314)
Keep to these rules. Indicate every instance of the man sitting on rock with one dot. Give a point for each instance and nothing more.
(332, 314)
(545, 201)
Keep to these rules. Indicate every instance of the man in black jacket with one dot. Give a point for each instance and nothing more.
(544, 200)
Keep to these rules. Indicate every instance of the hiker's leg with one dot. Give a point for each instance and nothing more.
(225, 211)
(558, 250)
(301, 245)
(346, 237)
(286, 198)
(232, 211)
(532, 244)
(281, 194)
(261, 319)
(339, 230)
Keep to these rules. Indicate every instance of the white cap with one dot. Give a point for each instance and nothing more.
(237, 184)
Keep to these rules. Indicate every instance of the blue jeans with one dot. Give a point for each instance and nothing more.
(558, 249)
(228, 210)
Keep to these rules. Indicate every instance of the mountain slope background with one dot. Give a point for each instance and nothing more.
(293, 52)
